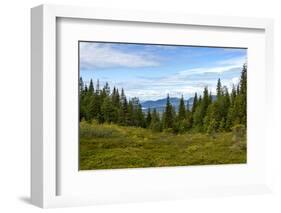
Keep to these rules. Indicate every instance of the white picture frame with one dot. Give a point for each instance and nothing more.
(44, 149)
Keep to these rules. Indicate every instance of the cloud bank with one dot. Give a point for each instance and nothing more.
(103, 55)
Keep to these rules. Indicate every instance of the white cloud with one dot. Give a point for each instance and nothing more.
(221, 67)
(94, 55)
(238, 61)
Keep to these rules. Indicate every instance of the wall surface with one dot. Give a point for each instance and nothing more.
(15, 105)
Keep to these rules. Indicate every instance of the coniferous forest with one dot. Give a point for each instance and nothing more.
(206, 115)
(115, 132)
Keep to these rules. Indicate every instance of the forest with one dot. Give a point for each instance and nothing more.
(207, 115)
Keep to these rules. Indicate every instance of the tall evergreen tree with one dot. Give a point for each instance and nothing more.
(107, 110)
(219, 88)
(148, 118)
(187, 106)
(106, 89)
(233, 93)
(155, 124)
(91, 87)
(98, 87)
(194, 105)
(205, 101)
(81, 85)
(182, 111)
(124, 108)
(168, 114)
(243, 93)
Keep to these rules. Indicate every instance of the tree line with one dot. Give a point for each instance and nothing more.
(208, 113)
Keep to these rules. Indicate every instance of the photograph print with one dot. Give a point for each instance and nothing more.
(152, 105)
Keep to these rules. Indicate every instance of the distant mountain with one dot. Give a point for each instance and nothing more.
(160, 104)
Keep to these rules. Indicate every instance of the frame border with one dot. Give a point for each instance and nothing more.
(43, 88)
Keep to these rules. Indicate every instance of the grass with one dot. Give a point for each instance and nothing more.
(109, 146)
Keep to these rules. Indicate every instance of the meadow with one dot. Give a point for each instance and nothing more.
(111, 146)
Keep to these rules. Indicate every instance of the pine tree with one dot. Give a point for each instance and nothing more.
(123, 108)
(187, 106)
(198, 115)
(140, 116)
(130, 119)
(136, 112)
(182, 111)
(219, 92)
(116, 98)
(81, 99)
(188, 119)
(86, 89)
(194, 105)
(243, 93)
(205, 102)
(106, 89)
(237, 113)
(107, 110)
(155, 124)
(168, 114)
(98, 87)
(148, 118)
(210, 98)
(233, 93)
(91, 87)
(81, 85)
(243, 80)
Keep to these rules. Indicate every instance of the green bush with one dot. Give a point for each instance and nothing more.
(181, 126)
(156, 126)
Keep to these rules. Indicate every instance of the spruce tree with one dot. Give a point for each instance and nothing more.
(107, 110)
(182, 111)
(198, 115)
(91, 87)
(243, 93)
(155, 124)
(98, 87)
(123, 108)
(81, 85)
(194, 105)
(168, 114)
(131, 120)
(219, 88)
(205, 102)
(106, 89)
(148, 118)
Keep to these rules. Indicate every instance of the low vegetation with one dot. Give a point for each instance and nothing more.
(111, 146)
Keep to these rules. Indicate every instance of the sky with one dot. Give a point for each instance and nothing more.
(150, 72)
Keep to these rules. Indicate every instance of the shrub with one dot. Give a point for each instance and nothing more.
(239, 133)
(156, 126)
(181, 126)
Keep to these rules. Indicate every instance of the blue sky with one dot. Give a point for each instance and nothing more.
(151, 71)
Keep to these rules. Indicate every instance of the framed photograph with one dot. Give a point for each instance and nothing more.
(131, 106)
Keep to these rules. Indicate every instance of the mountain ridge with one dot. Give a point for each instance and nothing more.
(160, 104)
